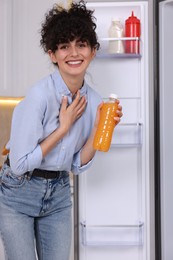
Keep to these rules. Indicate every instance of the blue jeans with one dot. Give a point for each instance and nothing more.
(35, 216)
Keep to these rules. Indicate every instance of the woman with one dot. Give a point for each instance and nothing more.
(52, 134)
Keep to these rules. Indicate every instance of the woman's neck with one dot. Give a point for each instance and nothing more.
(74, 83)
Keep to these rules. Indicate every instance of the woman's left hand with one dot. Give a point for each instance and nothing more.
(119, 113)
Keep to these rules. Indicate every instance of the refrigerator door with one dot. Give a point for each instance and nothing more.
(166, 126)
(114, 194)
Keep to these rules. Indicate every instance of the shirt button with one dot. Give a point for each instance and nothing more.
(63, 148)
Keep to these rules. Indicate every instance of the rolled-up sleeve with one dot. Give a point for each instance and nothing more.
(76, 166)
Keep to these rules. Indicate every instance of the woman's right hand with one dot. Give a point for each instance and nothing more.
(67, 116)
(70, 113)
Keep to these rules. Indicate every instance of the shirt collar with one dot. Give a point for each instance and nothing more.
(61, 87)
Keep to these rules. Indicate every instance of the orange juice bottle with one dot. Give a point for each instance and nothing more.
(103, 136)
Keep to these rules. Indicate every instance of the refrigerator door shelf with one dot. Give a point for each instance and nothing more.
(104, 48)
(127, 135)
(104, 55)
(112, 235)
(120, 38)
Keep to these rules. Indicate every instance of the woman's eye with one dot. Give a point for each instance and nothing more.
(82, 45)
(63, 47)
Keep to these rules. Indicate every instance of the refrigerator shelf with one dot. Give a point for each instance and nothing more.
(120, 39)
(127, 135)
(118, 55)
(104, 48)
(112, 235)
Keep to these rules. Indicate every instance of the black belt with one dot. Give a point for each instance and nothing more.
(41, 173)
(46, 174)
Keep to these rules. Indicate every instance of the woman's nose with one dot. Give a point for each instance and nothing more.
(74, 51)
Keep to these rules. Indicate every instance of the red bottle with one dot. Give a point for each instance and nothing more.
(132, 29)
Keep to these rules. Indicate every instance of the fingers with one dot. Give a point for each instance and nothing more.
(79, 109)
(76, 100)
(117, 120)
(78, 105)
(75, 109)
(64, 103)
(119, 114)
(119, 111)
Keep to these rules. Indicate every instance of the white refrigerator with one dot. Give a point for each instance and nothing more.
(114, 199)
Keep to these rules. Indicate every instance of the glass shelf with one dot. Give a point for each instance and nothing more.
(112, 235)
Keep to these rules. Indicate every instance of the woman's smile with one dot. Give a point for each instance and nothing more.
(74, 62)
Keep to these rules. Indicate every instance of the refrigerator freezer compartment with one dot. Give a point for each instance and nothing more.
(112, 235)
(127, 134)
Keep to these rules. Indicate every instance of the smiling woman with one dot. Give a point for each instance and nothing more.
(52, 134)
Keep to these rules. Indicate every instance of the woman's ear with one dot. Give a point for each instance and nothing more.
(52, 56)
(94, 53)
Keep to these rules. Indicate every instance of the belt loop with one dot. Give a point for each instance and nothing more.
(28, 175)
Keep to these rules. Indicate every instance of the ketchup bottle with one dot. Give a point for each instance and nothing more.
(132, 29)
(103, 136)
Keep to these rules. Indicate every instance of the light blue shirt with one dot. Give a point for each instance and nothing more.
(36, 117)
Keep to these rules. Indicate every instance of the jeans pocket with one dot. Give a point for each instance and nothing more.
(11, 180)
(66, 180)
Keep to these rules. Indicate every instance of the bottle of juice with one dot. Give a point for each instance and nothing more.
(103, 136)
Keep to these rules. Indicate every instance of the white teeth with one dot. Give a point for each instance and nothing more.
(74, 62)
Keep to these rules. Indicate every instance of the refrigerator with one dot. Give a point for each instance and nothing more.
(114, 200)
(164, 176)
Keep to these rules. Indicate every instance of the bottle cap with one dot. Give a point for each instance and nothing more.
(113, 96)
(115, 19)
(132, 19)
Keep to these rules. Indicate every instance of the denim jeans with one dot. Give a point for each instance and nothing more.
(35, 216)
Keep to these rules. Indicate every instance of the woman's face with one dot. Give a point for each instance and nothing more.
(73, 58)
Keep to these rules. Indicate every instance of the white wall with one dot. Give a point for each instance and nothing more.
(22, 60)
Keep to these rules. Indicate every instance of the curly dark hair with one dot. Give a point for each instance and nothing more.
(64, 25)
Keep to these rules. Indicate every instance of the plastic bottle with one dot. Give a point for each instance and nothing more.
(116, 31)
(103, 136)
(132, 29)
